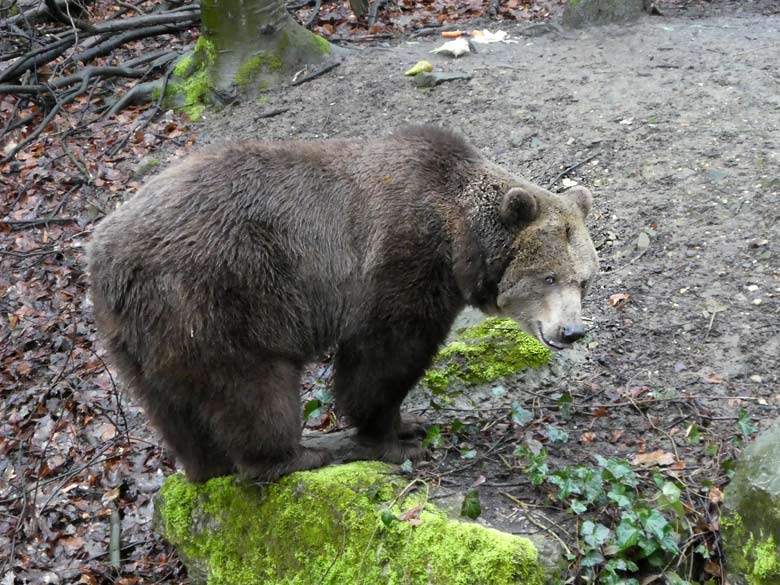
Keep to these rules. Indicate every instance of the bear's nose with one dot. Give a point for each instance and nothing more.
(572, 332)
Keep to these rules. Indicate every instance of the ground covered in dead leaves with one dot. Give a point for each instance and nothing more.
(677, 121)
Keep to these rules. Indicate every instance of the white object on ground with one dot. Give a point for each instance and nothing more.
(485, 36)
(456, 48)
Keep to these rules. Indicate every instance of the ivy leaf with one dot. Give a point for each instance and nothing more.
(619, 495)
(556, 435)
(626, 534)
(521, 416)
(388, 518)
(656, 525)
(578, 507)
(565, 403)
(312, 409)
(592, 559)
(471, 507)
(744, 423)
(468, 453)
(594, 534)
(433, 437)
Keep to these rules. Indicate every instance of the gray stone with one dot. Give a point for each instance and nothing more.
(750, 522)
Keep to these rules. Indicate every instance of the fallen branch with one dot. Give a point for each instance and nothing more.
(114, 41)
(271, 113)
(134, 28)
(83, 75)
(20, 224)
(315, 14)
(55, 11)
(316, 74)
(573, 167)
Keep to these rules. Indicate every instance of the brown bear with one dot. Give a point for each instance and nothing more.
(225, 274)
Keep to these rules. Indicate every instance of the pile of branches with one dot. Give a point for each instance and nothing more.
(53, 52)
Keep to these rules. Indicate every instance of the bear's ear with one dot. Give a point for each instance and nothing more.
(518, 206)
(582, 197)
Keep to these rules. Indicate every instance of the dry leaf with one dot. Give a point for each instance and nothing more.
(619, 300)
(662, 458)
(715, 495)
(411, 513)
(587, 437)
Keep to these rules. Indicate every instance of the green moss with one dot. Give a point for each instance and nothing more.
(326, 526)
(766, 566)
(486, 352)
(256, 66)
(190, 88)
(183, 67)
(323, 46)
(758, 557)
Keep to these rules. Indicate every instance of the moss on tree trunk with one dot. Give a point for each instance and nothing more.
(246, 47)
(581, 13)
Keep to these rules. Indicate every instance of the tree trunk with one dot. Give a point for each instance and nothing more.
(246, 47)
(256, 43)
(581, 13)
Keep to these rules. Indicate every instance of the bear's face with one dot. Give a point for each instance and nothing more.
(553, 263)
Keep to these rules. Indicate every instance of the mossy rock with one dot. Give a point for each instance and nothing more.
(336, 525)
(483, 353)
(750, 522)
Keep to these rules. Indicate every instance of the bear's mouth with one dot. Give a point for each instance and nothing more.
(556, 345)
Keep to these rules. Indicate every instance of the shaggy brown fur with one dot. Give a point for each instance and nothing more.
(230, 270)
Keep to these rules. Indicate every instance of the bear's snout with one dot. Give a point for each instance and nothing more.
(571, 332)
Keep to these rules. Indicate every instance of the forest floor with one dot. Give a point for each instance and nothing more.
(673, 122)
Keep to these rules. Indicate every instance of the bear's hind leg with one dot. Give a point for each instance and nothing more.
(190, 440)
(256, 418)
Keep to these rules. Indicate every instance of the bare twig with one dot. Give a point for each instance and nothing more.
(315, 14)
(271, 113)
(573, 167)
(316, 74)
(21, 224)
(538, 524)
(55, 10)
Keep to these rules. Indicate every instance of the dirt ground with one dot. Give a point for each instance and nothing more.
(673, 122)
(678, 118)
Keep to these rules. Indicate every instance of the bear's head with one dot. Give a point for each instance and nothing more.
(553, 262)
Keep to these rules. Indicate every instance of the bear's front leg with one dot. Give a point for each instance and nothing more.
(371, 381)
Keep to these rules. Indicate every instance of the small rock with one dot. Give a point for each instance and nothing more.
(757, 301)
(716, 174)
(752, 287)
(643, 241)
(684, 174)
(536, 143)
(756, 378)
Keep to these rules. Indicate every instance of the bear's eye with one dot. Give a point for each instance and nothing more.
(550, 279)
(568, 233)
(584, 284)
